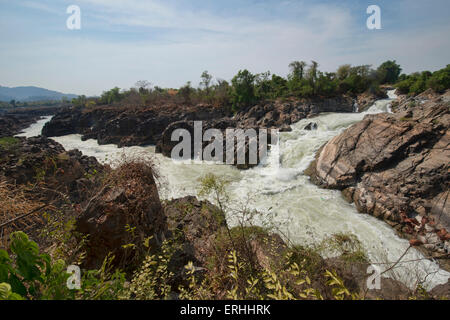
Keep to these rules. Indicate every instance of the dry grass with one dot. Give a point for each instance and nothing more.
(14, 203)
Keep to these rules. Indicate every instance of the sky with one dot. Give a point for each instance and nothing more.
(170, 42)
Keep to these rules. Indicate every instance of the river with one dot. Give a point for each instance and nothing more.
(305, 213)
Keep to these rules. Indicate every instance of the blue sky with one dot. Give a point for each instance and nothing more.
(170, 42)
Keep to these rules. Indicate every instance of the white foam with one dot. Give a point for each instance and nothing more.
(305, 212)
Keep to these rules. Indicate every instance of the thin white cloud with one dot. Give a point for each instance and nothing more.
(191, 42)
(40, 6)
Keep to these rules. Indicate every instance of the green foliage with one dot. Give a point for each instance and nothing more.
(303, 81)
(30, 273)
(80, 101)
(186, 92)
(111, 96)
(8, 142)
(270, 88)
(102, 284)
(297, 70)
(340, 292)
(388, 72)
(152, 281)
(345, 246)
(346, 80)
(440, 80)
(243, 90)
(417, 83)
(7, 294)
(206, 81)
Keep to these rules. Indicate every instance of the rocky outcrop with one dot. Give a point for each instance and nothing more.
(10, 125)
(367, 99)
(396, 167)
(44, 161)
(311, 126)
(279, 113)
(13, 121)
(124, 126)
(43, 180)
(251, 144)
(154, 125)
(196, 224)
(125, 212)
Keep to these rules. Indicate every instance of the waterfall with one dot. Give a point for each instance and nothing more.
(306, 213)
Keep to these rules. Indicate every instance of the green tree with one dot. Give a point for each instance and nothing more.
(111, 96)
(297, 69)
(80, 101)
(143, 87)
(206, 81)
(389, 72)
(312, 74)
(263, 86)
(186, 92)
(279, 86)
(440, 80)
(242, 90)
(343, 71)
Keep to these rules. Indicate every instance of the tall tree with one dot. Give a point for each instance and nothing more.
(297, 69)
(206, 81)
(312, 74)
(243, 89)
(143, 86)
(388, 72)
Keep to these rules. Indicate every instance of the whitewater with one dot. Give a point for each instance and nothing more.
(303, 212)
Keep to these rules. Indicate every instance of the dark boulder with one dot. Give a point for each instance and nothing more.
(311, 126)
(124, 212)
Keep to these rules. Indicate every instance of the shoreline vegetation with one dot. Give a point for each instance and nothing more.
(131, 245)
(61, 208)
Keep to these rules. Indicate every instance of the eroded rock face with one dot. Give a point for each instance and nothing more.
(13, 121)
(125, 126)
(365, 100)
(277, 114)
(11, 125)
(311, 126)
(197, 224)
(250, 147)
(153, 125)
(127, 210)
(42, 160)
(394, 164)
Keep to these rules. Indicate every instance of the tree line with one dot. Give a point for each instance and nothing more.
(303, 81)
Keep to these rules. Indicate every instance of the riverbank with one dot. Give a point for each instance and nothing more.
(307, 214)
(301, 211)
(100, 205)
(13, 122)
(395, 167)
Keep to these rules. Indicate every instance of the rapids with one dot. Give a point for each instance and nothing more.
(302, 211)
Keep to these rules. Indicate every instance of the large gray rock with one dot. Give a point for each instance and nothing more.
(394, 166)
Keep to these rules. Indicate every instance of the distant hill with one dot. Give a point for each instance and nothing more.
(27, 94)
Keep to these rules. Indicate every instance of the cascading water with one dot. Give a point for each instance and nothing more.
(304, 212)
(35, 129)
